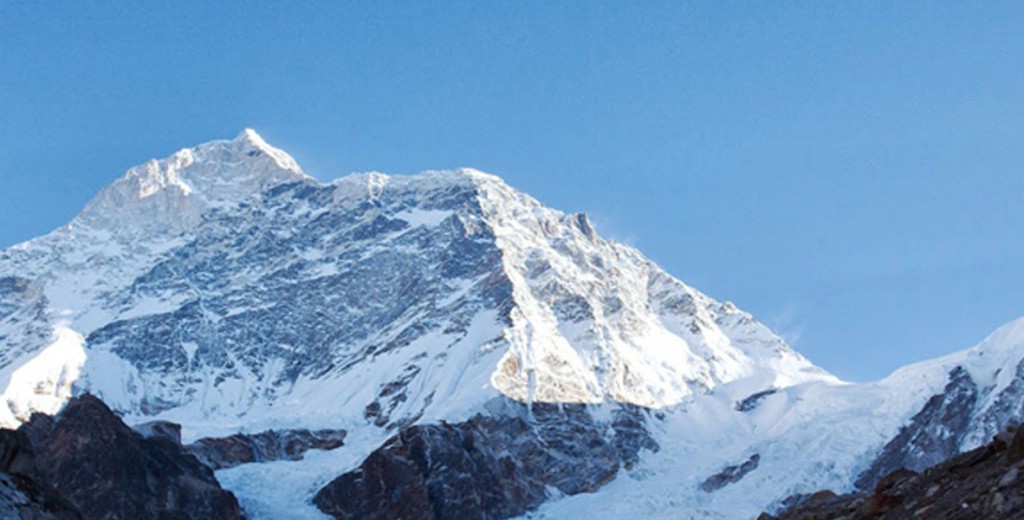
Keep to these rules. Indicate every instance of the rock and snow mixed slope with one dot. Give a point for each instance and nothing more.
(225, 289)
(817, 436)
(223, 282)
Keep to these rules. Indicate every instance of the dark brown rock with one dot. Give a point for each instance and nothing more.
(388, 485)
(16, 454)
(22, 494)
(24, 498)
(107, 470)
(730, 474)
(981, 484)
(270, 445)
(894, 478)
(879, 503)
(1015, 451)
(489, 467)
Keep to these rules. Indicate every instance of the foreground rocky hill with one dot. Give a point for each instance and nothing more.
(23, 495)
(86, 463)
(986, 483)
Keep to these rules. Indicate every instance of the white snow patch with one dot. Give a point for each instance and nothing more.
(423, 217)
(43, 384)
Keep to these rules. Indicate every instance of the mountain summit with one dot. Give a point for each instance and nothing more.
(171, 195)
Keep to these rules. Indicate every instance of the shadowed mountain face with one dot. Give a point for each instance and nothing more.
(106, 470)
(23, 494)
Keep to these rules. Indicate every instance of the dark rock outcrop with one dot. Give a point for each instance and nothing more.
(107, 470)
(488, 467)
(244, 448)
(730, 474)
(752, 401)
(933, 435)
(983, 484)
(160, 429)
(26, 499)
(16, 454)
(22, 495)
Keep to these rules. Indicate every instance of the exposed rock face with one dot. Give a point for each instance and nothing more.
(27, 499)
(241, 448)
(109, 471)
(985, 483)
(730, 474)
(23, 320)
(16, 454)
(22, 495)
(487, 467)
(160, 429)
(933, 435)
(754, 400)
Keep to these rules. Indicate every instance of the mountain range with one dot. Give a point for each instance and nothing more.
(445, 346)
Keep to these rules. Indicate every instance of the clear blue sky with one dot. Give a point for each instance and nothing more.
(851, 173)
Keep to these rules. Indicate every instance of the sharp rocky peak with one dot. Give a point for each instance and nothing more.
(171, 194)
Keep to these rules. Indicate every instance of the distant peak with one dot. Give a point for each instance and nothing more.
(248, 134)
(249, 144)
(252, 138)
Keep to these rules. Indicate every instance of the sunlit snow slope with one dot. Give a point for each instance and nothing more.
(817, 436)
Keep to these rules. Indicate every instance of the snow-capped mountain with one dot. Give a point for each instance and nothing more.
(223, 281)
(224, 289)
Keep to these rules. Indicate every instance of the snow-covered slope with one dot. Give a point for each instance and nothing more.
(224, 289)
(818, 436)
(224, 282)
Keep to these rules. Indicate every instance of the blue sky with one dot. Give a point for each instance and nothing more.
(850, 173)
